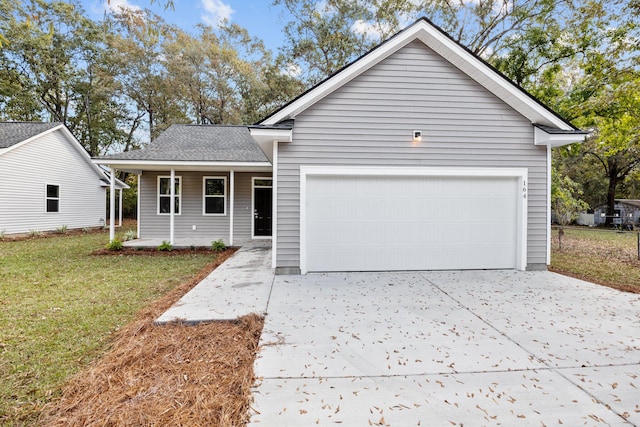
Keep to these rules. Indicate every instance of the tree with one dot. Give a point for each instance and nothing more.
(135, 46)
(55, 67)
(615, 141)
(325, 36)
(566, 199)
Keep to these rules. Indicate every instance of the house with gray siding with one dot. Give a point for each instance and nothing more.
(373, 169)
(47, 180)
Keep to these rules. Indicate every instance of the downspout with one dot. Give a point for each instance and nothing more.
(231, 204)
(112, 206)
(172, 205)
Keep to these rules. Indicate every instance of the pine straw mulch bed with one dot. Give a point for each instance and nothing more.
(166, 374)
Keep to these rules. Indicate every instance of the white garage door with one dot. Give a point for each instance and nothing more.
(383, 223)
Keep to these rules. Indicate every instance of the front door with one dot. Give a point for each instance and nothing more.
(262, 199)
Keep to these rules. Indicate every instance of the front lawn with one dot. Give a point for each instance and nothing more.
(597, 255)
(60, 305)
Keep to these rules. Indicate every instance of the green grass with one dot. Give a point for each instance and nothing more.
(601, 256)
(59, 305)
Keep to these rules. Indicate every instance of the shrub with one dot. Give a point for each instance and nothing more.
(115, 245)
(35, 233)
(165, 246)
(130, 235)
(2, 233)
(86, 230)
(218, 245)
(62, 229)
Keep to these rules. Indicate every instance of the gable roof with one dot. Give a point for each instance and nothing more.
(15, 134)
(197, 143)
(12, 133)
(458, 55)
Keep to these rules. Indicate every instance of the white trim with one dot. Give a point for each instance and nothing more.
(172, 203)
(180, 165)
(270, 134)
(549, 204)
(232, 184)
(540, 137)
(112, 205)
(47, 198)
(179, 195)
(204, 196)
(274, 207)
(138, 207)
(253, 205)
(443, 46)
(520, 173)
(120, 210)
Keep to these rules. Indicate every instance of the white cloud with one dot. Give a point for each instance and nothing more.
(371, 31)
(120, 5)
(216, 11)
(292, 70)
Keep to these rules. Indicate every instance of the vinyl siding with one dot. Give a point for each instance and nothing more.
(209, 227)
(369, 121)
(49, 159)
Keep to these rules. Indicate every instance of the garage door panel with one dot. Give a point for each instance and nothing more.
(371, 223)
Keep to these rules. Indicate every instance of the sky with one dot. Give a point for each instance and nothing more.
(259, 17)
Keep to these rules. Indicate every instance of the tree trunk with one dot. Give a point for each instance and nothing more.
(611, 192)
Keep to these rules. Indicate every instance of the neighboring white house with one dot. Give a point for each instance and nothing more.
(47, 180)
(417, 156)
(625, 212)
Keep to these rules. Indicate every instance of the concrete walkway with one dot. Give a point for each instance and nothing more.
(448, 349)
(240, 286)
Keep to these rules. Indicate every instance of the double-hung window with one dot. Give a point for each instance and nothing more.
(164, 194)
(214, 195)
(52, 198)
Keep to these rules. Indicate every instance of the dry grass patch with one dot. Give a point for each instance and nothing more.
(599, 256)
(165, 374)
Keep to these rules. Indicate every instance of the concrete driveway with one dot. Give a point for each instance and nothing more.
(448, 349)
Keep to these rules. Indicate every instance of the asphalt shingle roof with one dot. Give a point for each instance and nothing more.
(12, 133)
(208, 143)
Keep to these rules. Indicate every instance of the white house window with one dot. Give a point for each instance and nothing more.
(53, 198)
(164, 194)
(214, 194)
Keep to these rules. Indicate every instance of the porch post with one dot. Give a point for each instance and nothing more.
(138, 208)
(172, 205)
(231, 204)
(112, 205)
(120, 211)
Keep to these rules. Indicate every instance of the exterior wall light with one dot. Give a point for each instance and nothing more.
(417, 135)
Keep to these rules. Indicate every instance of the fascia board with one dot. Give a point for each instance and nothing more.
(140, 164)
(541, 137)
(280, 135)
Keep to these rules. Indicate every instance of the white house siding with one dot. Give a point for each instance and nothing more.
(154, 226)
(49, 159)
(370, 120)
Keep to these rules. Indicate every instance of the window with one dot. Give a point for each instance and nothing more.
(53, 198)
(215, 202)
(164, 195)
